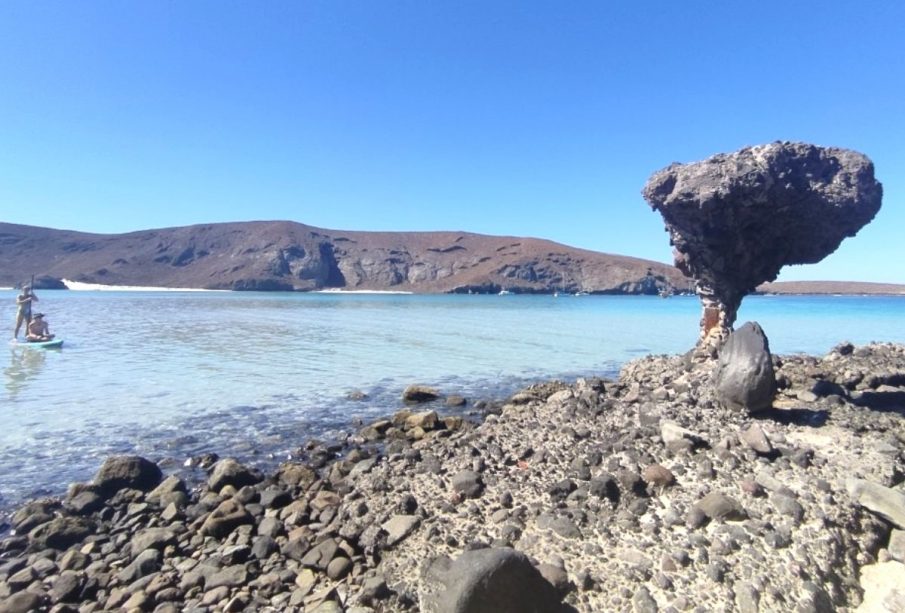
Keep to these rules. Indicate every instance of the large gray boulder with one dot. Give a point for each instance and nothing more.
(132, 472)
(744, 375)
(486, 581)
(736, 219)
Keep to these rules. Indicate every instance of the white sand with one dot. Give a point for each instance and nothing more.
(78, 286)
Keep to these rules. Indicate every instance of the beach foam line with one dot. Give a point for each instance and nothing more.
(79, 286)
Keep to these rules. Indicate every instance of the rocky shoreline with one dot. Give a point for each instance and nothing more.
(640, 494)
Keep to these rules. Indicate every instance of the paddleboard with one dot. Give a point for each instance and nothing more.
(54, 344)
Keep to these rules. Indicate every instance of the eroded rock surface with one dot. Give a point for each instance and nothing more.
(644, 494)
(735, 219)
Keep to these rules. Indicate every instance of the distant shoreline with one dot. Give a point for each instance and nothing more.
(358, 291)
(845, 288)
(79, 286)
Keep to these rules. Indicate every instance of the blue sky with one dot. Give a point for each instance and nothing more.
(517, 118)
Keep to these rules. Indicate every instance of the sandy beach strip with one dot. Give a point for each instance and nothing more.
(79, 286)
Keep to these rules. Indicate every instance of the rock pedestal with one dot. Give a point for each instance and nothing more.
(744, 376)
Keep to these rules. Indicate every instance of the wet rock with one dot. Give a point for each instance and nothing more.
(744, 378)
(484, 580)
(426, 420)
(85, 503)
(294, 474)
(455, 401)
(133, 472)
(33, 514)
(419, 393)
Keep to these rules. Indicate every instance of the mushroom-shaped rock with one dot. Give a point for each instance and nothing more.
(736, 219)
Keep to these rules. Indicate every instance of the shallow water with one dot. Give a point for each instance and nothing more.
(254, 375)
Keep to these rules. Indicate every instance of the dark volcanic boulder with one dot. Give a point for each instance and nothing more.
(132, 472)
(487, 581)
(48, 282)
(744, 376)
(419, 393)
(736, 219)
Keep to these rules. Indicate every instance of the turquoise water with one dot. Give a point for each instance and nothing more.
(170, 374)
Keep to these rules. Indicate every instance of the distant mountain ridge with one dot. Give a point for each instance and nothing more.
(289, 256)
(831, 287)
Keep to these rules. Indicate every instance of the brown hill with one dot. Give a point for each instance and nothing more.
(283, 255)
(831, 287)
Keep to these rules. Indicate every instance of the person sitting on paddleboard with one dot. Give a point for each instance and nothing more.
(38, 332)
(23, 311)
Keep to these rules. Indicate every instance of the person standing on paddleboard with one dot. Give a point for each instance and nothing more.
(23, 310)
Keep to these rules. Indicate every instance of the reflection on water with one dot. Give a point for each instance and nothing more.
(25, 364)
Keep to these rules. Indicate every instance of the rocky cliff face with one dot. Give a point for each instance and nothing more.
(288, 256)
(736, 219)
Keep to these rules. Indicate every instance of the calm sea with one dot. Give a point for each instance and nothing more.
(173, 374)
